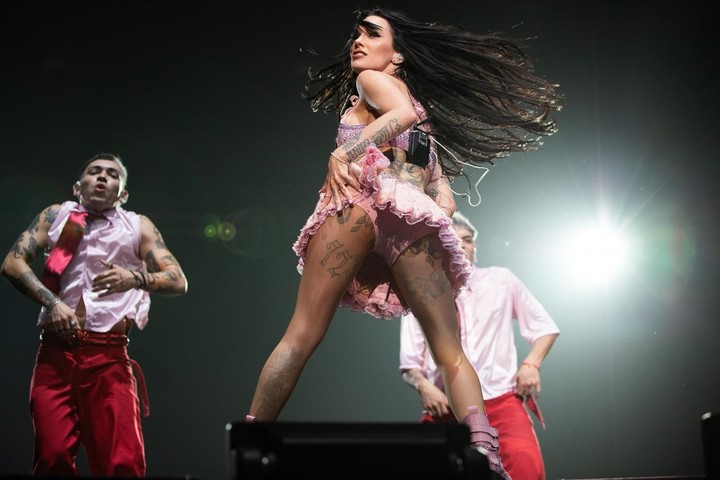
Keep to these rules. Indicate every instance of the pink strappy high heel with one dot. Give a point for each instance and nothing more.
(485, 438)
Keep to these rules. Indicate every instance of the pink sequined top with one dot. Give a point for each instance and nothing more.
(348, 131)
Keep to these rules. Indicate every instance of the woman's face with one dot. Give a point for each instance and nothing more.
(372, 48)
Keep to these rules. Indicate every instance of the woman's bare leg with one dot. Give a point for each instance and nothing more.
(334, 255)
(420, 272)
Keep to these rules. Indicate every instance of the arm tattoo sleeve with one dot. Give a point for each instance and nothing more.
(390, 130)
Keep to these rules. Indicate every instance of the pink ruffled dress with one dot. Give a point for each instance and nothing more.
(414, 215)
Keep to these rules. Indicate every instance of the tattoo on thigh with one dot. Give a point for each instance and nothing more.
(362, 222)
(343, 216)
(432, 288)
(427, 289)
(424, 246)
(336, 259)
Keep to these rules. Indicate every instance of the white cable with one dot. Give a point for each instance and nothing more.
(477, 190)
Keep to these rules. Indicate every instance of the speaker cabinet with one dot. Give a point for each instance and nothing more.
(710, 428)
(290, 450)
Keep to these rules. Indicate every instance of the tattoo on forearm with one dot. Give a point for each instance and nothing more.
(27, 283)
(155, 284)
(358, 149)
(390, 130)
(45, 295)
(23, 282)
(161, 280)
(171, 275)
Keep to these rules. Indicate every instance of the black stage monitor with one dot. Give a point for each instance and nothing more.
(294, 450)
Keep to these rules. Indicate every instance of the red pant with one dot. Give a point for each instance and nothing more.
(519, 446)
(85, 394)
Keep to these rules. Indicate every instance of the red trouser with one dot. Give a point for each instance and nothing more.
(85, 394)
(519, 446)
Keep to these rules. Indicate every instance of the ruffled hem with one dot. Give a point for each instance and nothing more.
(380, 298)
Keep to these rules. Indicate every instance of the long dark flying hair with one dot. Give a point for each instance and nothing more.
(484, 100)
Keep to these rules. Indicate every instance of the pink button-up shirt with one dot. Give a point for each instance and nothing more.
(115, 239)
(486, 309)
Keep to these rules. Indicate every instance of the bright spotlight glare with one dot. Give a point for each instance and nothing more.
(595, 256)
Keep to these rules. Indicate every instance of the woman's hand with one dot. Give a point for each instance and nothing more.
(340, 182)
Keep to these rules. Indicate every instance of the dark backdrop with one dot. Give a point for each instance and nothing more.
(203, 102)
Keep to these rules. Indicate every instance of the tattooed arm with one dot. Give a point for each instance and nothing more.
(164, 275)
(393, 111)
(17, 265)
(439, 190)
(386, 108)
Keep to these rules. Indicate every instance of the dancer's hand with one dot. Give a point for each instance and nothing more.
(340, 182)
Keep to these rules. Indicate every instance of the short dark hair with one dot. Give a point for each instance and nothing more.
(113, 158)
